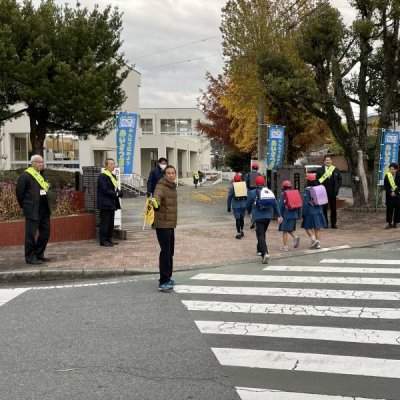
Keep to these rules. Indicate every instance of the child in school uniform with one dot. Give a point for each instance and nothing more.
(313, 215)
(236, 201)
(288, 225)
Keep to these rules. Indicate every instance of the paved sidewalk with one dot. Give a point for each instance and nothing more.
(205, 237)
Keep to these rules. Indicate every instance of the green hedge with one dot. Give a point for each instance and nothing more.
(57, 179)
(60, 195)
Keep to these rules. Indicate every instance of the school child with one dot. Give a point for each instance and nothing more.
(290, 214)
(263, 207)
(236, 201)
(313, 214)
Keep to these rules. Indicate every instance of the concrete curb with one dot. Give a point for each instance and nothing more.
(65, 274)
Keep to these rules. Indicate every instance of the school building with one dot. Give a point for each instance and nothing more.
(166, 132)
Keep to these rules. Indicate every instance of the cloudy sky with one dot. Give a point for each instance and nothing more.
(172, 43)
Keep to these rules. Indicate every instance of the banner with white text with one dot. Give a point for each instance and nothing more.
(126, 136)
(275, 146)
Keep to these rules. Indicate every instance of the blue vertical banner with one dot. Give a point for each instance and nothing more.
(389, 151)
(126, 135)
(275, 146)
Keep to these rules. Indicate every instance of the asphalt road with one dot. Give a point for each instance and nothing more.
(103, 340)
(321, 326)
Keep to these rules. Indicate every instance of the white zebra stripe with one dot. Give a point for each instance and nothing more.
(293, 309)
(298, 279)
(8, 294)
(309, 362)
(310, 268)
(359, 261)
(272, 394)
(366, 336)
(288, 292)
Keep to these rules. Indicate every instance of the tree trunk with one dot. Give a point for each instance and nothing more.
(38, 118)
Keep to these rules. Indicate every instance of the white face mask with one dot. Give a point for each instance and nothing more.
(162, 166)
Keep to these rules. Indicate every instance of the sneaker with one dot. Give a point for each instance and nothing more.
(241, 233)
(265, 258)
(283, 248)
(259, 253)
(238, 236)
(172, 282)
(165, 286)
(296, 242)
(388, 226)
(318, 246)
(314, 244)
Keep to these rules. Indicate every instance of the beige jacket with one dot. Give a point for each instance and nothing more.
(166, 195)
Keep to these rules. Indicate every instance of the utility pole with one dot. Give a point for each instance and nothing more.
(261, 144)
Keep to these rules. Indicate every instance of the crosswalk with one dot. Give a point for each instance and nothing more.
(328, 331)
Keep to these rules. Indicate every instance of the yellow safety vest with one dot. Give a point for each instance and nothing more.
(391, 180)
(112, 177)
(196, 175)
(39, 178)
(327, 174)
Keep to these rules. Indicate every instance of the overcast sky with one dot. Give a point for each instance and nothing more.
(153, 26)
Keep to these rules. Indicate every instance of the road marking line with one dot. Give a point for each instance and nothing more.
(272, 394)
(314, 251)
(298, 279)
(292, 309)
(309, 362)
(289, 292)
(366, 336)
(8, 294)
(359, 261)
(336, 269)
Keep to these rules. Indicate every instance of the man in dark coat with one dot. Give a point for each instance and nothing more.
(155, 175)
(31, 194)
(108, 196)
(392, 187)
(329, 176)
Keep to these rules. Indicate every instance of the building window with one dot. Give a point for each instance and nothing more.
(20, 152)
(61, 146)
(184, 126)
(168, 126)
(147, 126)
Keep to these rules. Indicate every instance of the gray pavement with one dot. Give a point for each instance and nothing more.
(112, 340)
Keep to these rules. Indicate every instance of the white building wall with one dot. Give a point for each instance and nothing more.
(202, 146)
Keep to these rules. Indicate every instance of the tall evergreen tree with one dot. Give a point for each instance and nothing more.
(61, 66)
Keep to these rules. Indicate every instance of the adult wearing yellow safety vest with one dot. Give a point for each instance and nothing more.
(31, 191)
(108, 196)
(391, 184)
(330, 177)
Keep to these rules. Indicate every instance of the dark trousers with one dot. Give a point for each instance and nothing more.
(239, 224)
(261, 232)
(332, 207)
(166, 239)
(106, 228)
(36, 247)
(392, 215)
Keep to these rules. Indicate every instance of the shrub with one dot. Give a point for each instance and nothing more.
(9, 207)
(57, 179)
(59, 199)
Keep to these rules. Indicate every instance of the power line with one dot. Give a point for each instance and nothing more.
(177, 47)
(308, 14)
(180, 62)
